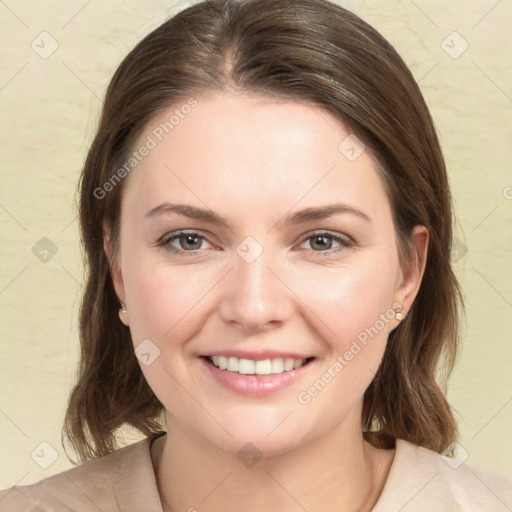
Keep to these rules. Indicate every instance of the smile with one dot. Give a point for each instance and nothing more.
(257, 367)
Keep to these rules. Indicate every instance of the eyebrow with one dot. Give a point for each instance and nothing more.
(305, 215)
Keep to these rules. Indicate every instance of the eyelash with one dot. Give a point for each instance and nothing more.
(165, 243)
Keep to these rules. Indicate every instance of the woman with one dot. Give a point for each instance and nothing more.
(267, 225)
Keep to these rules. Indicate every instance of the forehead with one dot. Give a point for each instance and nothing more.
(252, 152)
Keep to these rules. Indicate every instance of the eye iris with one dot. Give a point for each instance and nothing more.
(326, 242)
(187, 240)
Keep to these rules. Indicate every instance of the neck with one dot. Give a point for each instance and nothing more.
(340, 471)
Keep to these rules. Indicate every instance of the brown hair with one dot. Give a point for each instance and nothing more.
(305, 50)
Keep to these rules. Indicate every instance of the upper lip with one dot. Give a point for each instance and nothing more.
(256, 354)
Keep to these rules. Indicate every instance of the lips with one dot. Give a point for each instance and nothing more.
(256, 374)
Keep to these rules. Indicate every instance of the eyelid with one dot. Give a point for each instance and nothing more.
(344, 240)
(332, 234)
(165, 241)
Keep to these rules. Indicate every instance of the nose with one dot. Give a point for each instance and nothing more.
(254, 296)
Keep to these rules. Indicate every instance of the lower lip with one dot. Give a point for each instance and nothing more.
(255, 385)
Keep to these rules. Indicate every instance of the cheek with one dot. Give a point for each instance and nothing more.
(164, 299)
(169, 302)
(352, 311)
(348, 300)
(360, 319)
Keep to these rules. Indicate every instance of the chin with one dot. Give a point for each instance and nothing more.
(262, 433)
(247, 444)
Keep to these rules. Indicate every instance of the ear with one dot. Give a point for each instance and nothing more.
(414, 268)
(115, 269)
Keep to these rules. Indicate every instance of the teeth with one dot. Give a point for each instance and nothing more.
(288, 365)
(277, 365)
(260, 367)
(232, 364)
(263, 367)
(246, 366)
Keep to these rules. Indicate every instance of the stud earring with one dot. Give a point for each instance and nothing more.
(398, 315)
(123, 309)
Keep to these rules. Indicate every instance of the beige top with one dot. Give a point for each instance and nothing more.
(419, 480)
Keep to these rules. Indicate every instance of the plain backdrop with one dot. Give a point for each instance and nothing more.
(56, 61)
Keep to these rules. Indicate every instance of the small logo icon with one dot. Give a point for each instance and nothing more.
(44, 250)
(249, 455)
(147, 352)
(459, 456)
(44, 455)
(459, 250)
(351, 147)
(454, 45)
(44, 45)
(249, 249)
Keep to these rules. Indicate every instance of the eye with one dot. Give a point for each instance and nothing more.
(183, 242)
(322, 242)
(189, 243)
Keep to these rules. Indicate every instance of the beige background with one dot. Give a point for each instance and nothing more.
(49, 108)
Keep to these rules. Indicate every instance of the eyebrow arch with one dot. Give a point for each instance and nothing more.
(322, 212)
(193, 212)
(305, 215)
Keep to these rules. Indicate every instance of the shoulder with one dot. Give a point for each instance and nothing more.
(421, 480)
(121, 480)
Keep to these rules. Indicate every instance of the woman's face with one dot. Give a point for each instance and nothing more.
(277, 243)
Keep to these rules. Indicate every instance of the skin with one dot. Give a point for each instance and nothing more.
(254, 161)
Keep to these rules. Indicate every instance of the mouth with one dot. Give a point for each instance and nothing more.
(256, 374)
(269, 366)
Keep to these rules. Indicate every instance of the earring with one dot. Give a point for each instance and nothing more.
(123, 309)
(398, 315)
